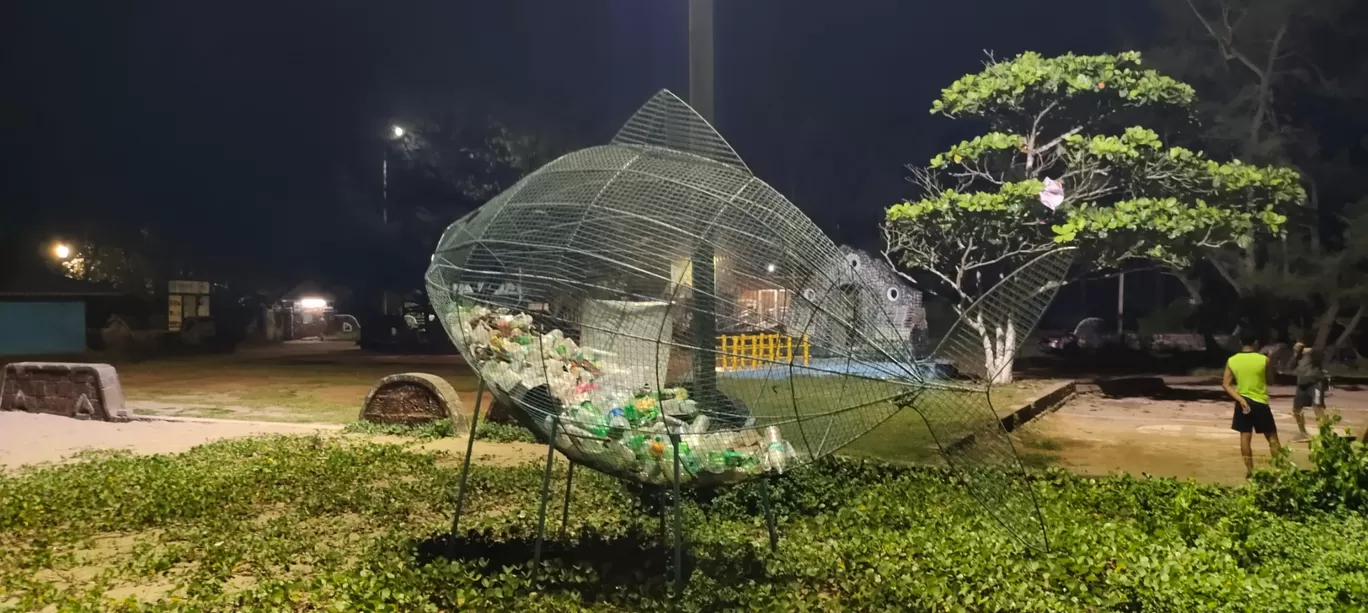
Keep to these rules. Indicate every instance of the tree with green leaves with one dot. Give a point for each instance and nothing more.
(1283, 82)
(1073, 159)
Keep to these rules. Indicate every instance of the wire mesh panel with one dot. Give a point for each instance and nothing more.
(589, 296)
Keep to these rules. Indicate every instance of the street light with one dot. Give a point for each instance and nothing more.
(62, 251)
(396, 131)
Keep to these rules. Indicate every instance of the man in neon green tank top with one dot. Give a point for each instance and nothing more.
(1246, 380)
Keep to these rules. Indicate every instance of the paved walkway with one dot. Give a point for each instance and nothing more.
(30, 438)
(1183, 434)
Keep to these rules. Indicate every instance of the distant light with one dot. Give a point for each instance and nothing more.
(62, 251)
(398, 131)
(313, 303)
(771, 268)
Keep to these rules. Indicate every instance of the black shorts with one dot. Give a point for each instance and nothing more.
(1309, 396)
(1259, 419)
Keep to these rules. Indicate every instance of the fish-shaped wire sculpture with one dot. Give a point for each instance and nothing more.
(588, 296)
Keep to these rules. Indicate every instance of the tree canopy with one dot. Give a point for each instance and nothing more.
(1075, 159)
(1125, 193)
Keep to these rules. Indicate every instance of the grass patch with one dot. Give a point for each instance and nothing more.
(873, 426)
(486, 431)
(288, 390)
(311, 523)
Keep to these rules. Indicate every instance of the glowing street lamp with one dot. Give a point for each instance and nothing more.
(62, 251)
(397, 131)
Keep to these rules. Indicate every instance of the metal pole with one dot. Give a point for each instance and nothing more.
(701, 262)
(701, 57)
(1121, 306)
(678, 525)
(465, 462)
(545, 491)
(769, 514)
(565, 510)
(384, 219)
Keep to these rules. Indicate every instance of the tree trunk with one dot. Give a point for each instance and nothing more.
(1199, 315)
(1325, 324)
(999, 350)
(1343, 340)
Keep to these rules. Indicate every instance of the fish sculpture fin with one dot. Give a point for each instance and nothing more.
(667, 122)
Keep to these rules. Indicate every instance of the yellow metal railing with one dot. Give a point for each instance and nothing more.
(747, 351)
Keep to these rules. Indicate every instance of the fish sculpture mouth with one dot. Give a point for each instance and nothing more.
(589, 297)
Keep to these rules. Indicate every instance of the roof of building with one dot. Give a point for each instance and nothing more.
(39, 281)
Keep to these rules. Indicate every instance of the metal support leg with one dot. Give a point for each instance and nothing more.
(678, 526)
(769, 514)
(662, 498)
(465, 463)
(565, 510)
(545, 491)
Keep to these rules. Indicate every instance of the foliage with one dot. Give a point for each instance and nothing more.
(441, 428)
(289, 523)
(1337, 480)
(459, 151)
(1173, 317)
(504, 433)
(1079, 121)
(1282, 83)
(122, 262)
(1127, 195)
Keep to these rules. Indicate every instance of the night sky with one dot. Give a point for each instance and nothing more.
(207, 120)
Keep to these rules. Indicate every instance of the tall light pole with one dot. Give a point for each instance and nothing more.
(396, 132)
(702, 264)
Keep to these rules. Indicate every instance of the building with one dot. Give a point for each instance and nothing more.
(43, 313)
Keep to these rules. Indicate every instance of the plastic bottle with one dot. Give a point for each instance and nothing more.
(774, 450)
(617, 419)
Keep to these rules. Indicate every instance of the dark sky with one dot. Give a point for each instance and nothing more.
(205, 119)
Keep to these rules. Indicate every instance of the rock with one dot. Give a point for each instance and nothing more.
(414, 398)
(82, 391)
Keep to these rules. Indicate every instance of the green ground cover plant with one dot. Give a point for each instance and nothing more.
(441, 428)
(317, 523)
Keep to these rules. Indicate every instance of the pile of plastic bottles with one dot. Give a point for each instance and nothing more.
(618, 430)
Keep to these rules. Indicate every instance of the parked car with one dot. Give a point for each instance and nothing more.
(1091, 335)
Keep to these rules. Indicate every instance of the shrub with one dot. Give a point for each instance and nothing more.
(486, 431)
(302, 524)
(1337, 480)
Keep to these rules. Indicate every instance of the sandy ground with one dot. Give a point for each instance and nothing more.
(27, 438)
(1185, 434)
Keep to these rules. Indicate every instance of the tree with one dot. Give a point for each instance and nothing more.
(1283, 82)
(127, 261)
(456, 153)
(1116, 191)
(1337, 279)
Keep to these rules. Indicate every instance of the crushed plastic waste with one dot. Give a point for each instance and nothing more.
(626, 431)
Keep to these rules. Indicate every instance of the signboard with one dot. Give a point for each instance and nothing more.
(188, 287)
(185, 299)
(174, 309)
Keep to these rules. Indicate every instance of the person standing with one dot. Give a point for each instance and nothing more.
(1311, 386)
(1246, 381)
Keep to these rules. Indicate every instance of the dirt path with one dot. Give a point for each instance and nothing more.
(1185, 434)
(27, 438)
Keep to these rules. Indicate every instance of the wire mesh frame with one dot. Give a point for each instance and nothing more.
(571, 293)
